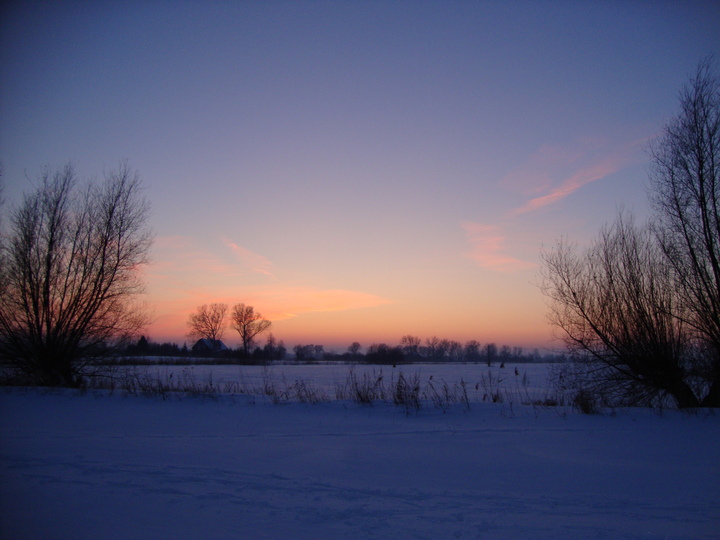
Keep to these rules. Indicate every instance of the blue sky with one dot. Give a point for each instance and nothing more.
(354, 170)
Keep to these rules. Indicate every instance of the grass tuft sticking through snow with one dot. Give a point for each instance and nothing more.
(408, 390)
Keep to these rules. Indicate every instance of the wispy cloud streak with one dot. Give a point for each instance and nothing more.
(253, 261)
(555, 172)
(570, 185)
(185, 275)
(489, 250)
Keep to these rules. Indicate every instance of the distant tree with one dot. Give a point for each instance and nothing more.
(410, 346)
(431, 348)
(249, 324)
(147, 347)
(381, 353)
(455, 351)
(270, 346)
(306, 353)
(208, 322)
(143, 346)
(164, 349)
(354, 349)
(442, 350)
(471, 351)
(685, 184)
(69, 275)
(274, 350)
(490, 353)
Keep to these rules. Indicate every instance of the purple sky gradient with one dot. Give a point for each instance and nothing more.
(354, 170)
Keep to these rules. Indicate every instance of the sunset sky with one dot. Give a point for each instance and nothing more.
(356, 171)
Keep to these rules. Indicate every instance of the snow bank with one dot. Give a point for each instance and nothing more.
(108, 466)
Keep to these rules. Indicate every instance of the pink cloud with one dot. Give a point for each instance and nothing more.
(180, 256)
(184, 276)
(489, 250)
(555, 172)
(572, 184)
(254, 261)
(542, 168)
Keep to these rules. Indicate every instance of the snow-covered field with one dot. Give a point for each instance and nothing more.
(103, 465)
(514, 382)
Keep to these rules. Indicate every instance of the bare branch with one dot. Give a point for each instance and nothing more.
(208, 322)
(249, 324)
(686, 198)
(71, 274)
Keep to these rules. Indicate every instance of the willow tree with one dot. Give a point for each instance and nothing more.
(70, 275)
(615, 305)
(640, 308)
(685, 183)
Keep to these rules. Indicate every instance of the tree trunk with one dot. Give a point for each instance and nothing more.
(712, 399)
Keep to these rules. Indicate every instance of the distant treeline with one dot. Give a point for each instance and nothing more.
(411, 350)
(146, 347)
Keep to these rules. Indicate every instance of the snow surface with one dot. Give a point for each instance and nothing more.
(101, 465)
(517, 381)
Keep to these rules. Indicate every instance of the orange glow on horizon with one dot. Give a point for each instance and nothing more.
(337, 322)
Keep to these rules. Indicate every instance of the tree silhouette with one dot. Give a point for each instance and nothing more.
(69, 275)
(208, 322)
(248, 323)
(640, 309)
(685, 180)
(615, 304)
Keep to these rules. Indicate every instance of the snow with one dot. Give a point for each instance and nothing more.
(518, 381)
(108, 465)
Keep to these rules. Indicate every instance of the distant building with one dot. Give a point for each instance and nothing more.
(205, 346)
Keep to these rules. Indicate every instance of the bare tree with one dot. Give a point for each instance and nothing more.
(455, 351)
(410, 346)
(70, 274)
(249, 324)
(431, 348)
(489, 352)
(640, 309)
(442, 350)
(615, 305)
(354, 349)
(208, 322)
(685, 181)
(505, 354)
(471, 351)
(304, 353)
(274, 350)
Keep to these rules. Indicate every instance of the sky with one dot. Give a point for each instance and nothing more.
(356, 171)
